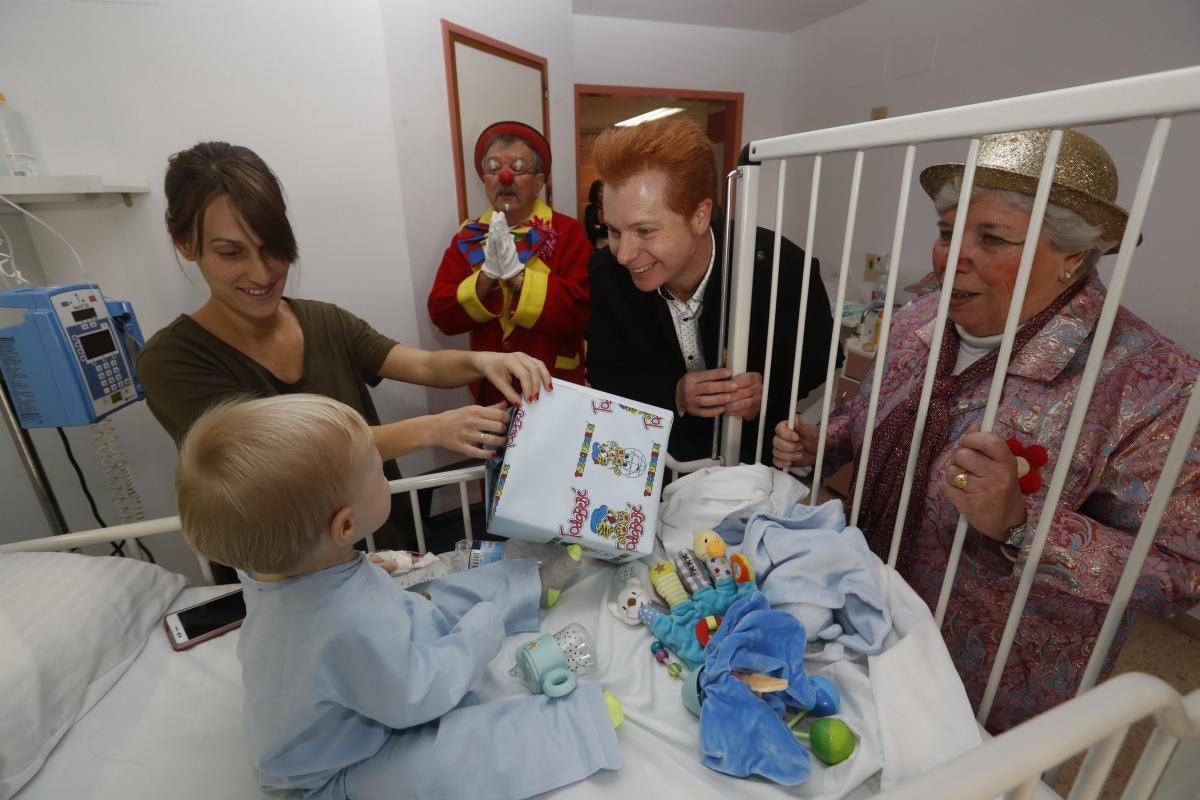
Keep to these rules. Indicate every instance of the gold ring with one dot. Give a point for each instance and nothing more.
(959, 481)
(481, 438)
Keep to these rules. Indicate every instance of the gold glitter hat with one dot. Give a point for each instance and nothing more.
(1085, 177)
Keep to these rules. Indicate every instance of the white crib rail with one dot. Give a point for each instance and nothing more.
(154, 527)
(1099, 719)
(1159, 96)
(1003, 357)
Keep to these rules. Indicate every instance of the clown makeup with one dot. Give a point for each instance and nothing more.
(509, 180)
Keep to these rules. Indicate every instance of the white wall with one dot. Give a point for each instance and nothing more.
(660, 54)
(927, 54)
(115, 88)
(347, 102)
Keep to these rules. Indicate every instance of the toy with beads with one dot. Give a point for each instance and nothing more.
(705, 629)
(692, 575)
(708, 544)
(666, 583)
(739, 567)
(711, 550)
(662, 656)
(830, 739)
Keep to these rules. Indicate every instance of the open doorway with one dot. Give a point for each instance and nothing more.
(598, 107)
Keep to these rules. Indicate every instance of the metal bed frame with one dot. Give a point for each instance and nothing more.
(1096, 720)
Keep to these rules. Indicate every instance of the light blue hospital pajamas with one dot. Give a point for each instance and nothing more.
(353, 689)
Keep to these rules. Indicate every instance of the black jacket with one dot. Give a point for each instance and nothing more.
(592, 225)
(633, 350)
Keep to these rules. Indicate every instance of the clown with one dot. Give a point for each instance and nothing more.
(515, 279)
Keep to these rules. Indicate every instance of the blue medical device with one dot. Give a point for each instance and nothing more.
(67, 354)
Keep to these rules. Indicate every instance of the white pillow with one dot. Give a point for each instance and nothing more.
(69, 627)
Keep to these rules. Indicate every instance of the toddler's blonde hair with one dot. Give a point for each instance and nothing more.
(259, 481)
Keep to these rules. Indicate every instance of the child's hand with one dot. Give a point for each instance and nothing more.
(392, 561)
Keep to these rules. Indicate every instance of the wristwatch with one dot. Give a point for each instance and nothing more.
(1015, 536)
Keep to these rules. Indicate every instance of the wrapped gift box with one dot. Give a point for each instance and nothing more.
(581, 467)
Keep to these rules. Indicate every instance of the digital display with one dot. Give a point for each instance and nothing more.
(84, 313)
(216, 613)
(96, 344)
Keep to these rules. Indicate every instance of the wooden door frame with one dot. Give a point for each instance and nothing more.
(734, 126)
(452, 34)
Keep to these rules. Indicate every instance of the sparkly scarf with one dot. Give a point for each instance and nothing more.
(889, 448)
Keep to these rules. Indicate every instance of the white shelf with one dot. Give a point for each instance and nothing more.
(62, 188)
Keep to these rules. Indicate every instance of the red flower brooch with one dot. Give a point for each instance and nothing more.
(1029, 460)
(549, 236)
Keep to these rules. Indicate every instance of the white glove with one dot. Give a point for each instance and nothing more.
(500, 252)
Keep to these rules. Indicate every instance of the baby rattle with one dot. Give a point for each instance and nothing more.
(829, 738)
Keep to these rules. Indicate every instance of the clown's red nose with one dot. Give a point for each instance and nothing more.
(505, 176)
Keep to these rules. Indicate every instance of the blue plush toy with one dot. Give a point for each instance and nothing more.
(677, 628)
(742, 732)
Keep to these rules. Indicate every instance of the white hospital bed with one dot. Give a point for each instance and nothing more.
(171, 727)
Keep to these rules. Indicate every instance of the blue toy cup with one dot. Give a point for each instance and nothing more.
(552, 664)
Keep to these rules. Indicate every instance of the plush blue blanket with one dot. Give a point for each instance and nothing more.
(813, 566)
(741, 733)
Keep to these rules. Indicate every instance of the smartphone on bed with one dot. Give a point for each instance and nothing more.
(203, 621)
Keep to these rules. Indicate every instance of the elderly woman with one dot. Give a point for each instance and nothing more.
(1144, 384)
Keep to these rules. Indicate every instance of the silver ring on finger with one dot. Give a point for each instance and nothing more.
(481, 440)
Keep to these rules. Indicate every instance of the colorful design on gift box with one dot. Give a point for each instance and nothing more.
(602, 406)
(518, 418)
(579, 514)
(650, 473)
(501, 479)
(583, 449)
(623, 528)
(621, 460)
(648, 420)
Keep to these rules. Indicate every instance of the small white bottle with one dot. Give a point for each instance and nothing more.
(17, 157)
(879, 290)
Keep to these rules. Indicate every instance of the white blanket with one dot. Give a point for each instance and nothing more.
(925, 718)
(172, 726)
(700, 501)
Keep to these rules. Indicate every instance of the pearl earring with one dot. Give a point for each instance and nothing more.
(1065, 277)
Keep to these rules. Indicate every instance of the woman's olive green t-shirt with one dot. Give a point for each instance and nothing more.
(184, 369)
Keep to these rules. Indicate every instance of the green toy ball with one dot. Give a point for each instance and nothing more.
(831, 740)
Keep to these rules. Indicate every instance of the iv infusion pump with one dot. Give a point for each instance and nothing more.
(67, 354)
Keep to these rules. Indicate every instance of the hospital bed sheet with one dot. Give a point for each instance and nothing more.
(172, 725)
(170, 728)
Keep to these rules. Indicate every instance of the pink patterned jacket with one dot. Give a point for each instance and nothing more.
(1144, 384)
